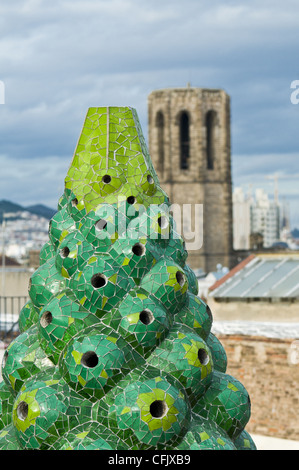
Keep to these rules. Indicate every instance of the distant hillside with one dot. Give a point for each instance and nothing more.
(41, 210)
(7, 206)
(295, 233)
(37, 209)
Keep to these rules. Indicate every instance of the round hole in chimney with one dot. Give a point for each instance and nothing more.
(180, 278)
(101, 224)
(89, 359)
(98, 280)
(64, 252)
(106, 179)
(163, 222)
(203, 356)
(146, 317)
(150, 179)
(22, 410)
(158, 409)
(74, 202)
(46, 319)
(138, 249)
(131, 200)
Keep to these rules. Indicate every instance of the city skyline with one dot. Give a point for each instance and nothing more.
(55, 62)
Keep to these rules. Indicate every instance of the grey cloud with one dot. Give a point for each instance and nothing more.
(59, 58)
(27, 183)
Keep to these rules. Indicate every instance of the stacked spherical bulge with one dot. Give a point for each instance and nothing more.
(72, 254)
(90, 436)
(73, 205)
(244, 441)
(23, 359)
(42, 411)
(147, 185)
(192, 280)
(29, 315)
(168, 283)
(185, 356)
(60, 225)
(95, 360)
(101, 284)
(44, 283)
(147, 409)
(154, 251)
(196, 314)
(45, 409)
(141, 320)
(47, 252)
(63, 200)
(205, 435)
(128, 208)
(6, 405)
(154, 223)
(101, 227)
(161, 225)
(60, 320)
(8, 439)
(176, 249)
(227, 403)
(218, 353)
(133, 255)
(75, 208)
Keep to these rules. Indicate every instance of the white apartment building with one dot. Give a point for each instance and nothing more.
(255, 215)
(241, 220)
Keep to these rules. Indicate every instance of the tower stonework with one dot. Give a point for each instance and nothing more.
(189, 143)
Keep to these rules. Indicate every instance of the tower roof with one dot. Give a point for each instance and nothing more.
(186, 89)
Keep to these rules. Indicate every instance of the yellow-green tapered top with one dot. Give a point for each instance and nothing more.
(111, 160)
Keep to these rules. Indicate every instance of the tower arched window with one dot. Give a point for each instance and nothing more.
(184, 140)
(211, 118)
(160, 140)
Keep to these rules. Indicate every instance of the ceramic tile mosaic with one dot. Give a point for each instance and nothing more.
(116, 350)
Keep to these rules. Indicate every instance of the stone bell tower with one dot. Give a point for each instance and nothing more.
(189, 143)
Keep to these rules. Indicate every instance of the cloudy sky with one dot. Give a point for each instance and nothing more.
(58, 58)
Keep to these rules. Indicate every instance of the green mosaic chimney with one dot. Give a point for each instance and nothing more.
(116, 350)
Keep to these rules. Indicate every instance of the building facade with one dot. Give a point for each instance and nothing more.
(256, 220)
(265, 218)
(241, 220)
(189, 143)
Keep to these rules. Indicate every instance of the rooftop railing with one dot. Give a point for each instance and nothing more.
(10, 307)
